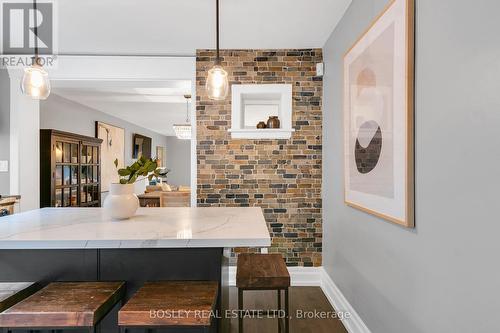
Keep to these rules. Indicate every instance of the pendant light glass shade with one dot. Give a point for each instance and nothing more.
(36, 83)
(217, 83)
(183, 131)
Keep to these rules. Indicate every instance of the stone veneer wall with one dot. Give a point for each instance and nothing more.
(281, 176)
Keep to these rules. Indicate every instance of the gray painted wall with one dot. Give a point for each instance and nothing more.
(443, 276)
(62, 114)
(59, 113)
(4, 127)
(179, 161)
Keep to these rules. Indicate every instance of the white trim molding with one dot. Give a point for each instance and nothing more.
(353, 323)
(318, 277)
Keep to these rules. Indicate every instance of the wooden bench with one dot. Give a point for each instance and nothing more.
(14, 292)
(171, 304)
(263, 272)
(64, 305)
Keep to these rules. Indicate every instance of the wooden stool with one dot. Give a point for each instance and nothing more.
(14, 292)
(262, 272)
(171, 304)
(64, 305)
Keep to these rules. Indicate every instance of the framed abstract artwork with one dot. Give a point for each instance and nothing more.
(141, 146)
(112, 147)
(378, 117)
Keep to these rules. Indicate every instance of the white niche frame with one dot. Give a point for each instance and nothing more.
(275, 96)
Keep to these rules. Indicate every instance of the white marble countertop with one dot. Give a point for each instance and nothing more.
(91, 228)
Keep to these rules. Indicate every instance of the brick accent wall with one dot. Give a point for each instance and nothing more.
(281, 176)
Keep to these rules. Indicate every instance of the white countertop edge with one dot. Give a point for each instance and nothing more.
(132, 244)
(229, 243)
(90, 228)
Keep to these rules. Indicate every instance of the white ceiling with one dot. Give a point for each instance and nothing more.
(182, 26)
(155, 106)
(177, 27)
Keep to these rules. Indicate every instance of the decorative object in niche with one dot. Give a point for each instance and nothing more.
(378, 117)
(112, 147)
(273, 122)
(251, 103)
(261, 125)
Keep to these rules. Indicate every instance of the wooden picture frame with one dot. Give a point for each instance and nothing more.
(141, 146)
(379, 117)
(112, 147)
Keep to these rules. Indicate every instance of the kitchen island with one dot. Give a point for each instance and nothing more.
(84, 244)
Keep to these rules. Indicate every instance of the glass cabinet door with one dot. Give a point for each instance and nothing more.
(76, 173)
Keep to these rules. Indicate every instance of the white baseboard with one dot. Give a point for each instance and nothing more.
(353, 323)
(317, 277)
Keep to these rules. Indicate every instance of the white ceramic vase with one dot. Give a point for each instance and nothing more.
(121, 202)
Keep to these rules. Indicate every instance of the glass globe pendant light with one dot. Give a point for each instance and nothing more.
(217, 84)
(36, 83)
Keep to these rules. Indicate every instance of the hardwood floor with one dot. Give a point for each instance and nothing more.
(304, 299)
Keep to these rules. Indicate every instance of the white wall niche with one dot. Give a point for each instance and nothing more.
(252, 103)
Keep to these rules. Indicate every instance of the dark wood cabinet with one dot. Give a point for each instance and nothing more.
(70, 170)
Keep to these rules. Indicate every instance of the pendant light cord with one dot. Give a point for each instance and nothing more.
(35, 30)
(217, 60)
(187, 97)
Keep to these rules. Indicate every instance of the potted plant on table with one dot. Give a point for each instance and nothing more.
(122, 202)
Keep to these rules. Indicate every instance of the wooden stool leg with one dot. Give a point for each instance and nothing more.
(279, 310)
(240, 310)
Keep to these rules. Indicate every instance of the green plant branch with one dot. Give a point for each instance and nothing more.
(145, 167)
